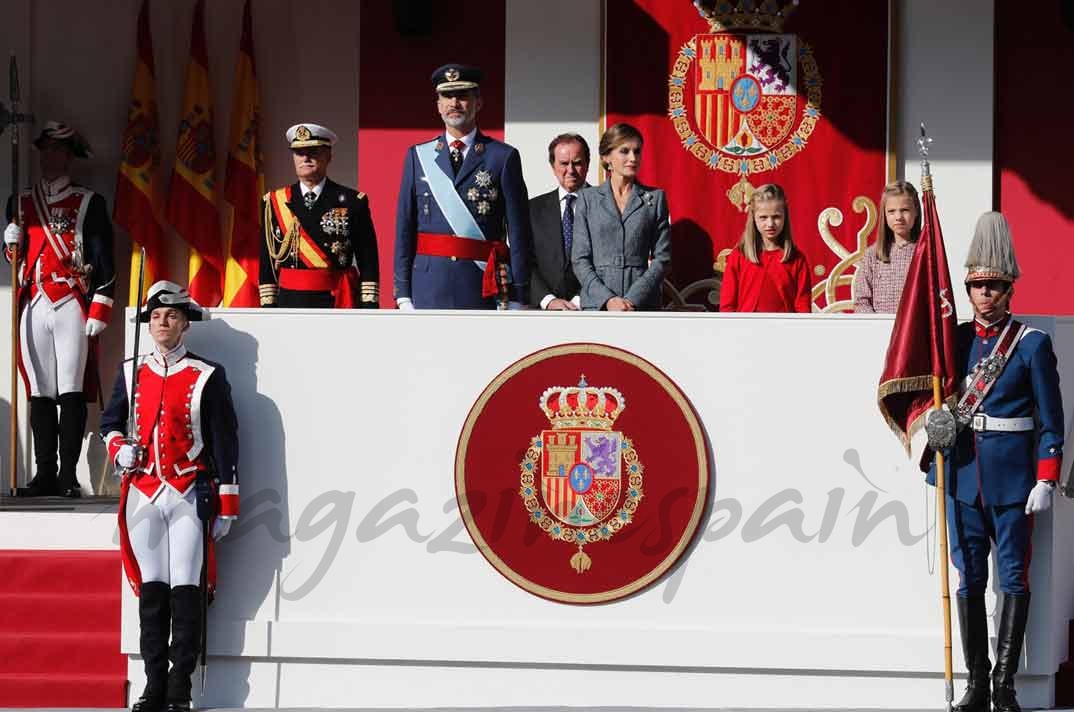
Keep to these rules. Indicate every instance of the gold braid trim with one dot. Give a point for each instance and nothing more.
(279, 248)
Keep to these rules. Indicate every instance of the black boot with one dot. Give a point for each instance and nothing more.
(186, 644)
(72, 428)
(45, 430)
(154, 612)
(973, 624)
(1012, 628)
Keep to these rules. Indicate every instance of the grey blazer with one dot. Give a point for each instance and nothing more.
(611, 252)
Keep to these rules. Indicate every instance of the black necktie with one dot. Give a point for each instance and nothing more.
(309, 198)
(568, 224)
(456, 155)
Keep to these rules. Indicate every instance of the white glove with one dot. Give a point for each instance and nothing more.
(1040, 497)
(12, 235)
(126, 456)
(221, 527)
(404, 304)
(94, 327)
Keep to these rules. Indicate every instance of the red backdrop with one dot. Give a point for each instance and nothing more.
(396, 103)
(844, 157)
(1032, 163)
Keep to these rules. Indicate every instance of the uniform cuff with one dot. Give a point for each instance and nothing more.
(229, 501)
(113, 441)
(268, 294)
(101, 308)
(1048, 469)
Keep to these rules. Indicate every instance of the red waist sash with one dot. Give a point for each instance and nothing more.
(493, 253)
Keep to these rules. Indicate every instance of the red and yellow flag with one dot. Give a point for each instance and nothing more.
(192, 199)
(138, 191)
(245, 182)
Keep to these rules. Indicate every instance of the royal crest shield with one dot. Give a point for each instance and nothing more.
(578, 517)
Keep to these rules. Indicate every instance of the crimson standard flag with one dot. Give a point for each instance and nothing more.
(923, 339)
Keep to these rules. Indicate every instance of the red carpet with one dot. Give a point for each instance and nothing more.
(59, 629)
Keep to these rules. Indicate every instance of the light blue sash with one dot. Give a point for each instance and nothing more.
(451, 205)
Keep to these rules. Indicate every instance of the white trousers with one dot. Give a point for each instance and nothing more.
(54, 347)
(165, 534)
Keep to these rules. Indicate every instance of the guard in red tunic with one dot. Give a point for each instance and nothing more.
(64, 238)
(178, 454)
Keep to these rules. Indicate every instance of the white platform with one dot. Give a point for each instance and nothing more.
(349, 424)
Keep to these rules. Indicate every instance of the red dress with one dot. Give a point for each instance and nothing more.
(772, 286)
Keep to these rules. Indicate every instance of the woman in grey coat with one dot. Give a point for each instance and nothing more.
(622, 234)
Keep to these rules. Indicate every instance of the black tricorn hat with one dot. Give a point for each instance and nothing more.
(170, 294)
(59, 131)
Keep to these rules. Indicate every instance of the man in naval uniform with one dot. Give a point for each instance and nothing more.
(64, 240)
(179, 469)
(315, 232)
(1004, 463)
(462, 222)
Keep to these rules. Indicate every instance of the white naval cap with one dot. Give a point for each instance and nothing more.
(307, 135)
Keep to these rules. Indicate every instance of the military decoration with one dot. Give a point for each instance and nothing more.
(483, 193)
(336, 221)
(61, 220)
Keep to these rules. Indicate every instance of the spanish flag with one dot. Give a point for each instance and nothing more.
(192, 198)
(139, 197)
(245, 182)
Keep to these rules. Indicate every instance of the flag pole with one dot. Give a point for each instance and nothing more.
(941, 476)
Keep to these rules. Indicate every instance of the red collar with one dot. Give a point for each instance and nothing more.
(987, 331)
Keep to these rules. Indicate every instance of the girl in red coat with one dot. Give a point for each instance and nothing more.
(766, 272)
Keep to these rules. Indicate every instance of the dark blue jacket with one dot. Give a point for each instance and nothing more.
(442, 283)
(1002, 467)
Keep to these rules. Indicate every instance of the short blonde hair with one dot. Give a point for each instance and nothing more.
(751, 243)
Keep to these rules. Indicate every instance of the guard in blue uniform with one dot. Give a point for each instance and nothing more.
(462, 224)
(318, 246)
(1004, 463)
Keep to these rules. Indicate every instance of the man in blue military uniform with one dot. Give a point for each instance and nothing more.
(462, 224)
(318, 247)
(1003, 465)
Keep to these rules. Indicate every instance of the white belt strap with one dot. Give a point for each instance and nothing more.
(982, 422)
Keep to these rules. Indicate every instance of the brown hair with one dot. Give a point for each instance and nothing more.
(614, 137)
(567, 138)
(751, 242)
(886, 238)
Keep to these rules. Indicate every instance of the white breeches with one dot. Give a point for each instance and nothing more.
(165, 534)
(54, 346)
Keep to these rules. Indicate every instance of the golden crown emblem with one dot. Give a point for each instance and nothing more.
(748, 15)
(452, 75)
(302, 133)
(582, 406)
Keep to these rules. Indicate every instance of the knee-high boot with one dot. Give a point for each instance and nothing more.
(1012, 629)
(973, 624)
(186, 643)
(72, 428)
(154, 612)
(45, 429)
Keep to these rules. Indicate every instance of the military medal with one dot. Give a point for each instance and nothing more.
(336, 221)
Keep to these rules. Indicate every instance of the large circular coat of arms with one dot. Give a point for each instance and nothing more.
(582, 473)
(747, 100)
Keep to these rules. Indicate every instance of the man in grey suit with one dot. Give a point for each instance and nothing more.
(553, 285)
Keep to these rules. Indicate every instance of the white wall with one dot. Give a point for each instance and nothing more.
(404, 620)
